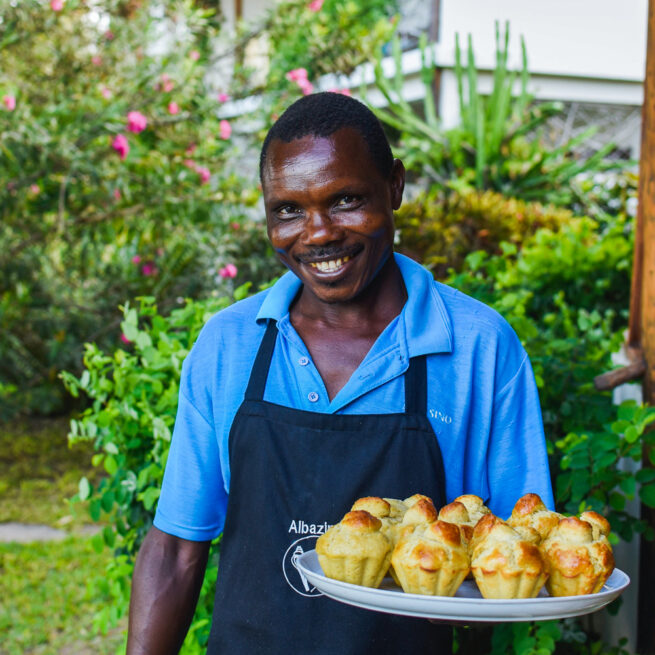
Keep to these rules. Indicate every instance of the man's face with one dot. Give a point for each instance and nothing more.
(329, 212)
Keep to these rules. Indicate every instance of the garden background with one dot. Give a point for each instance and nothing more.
(131, 212)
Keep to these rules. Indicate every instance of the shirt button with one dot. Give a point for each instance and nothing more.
(312, 396)
(303, 361)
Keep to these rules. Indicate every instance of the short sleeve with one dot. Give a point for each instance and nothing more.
(517, 458)
(193, 500)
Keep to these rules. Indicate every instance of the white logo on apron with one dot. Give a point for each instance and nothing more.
(295, 579)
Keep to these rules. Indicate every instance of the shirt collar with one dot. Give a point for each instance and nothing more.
(424, 307)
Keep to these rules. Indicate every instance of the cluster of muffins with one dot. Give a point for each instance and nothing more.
(432, 553)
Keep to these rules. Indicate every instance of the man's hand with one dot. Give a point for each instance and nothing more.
(167, 579)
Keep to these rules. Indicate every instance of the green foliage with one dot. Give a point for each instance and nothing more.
(497, 144)
(49, 599)
(339, 37)
(440, 229)
(133, 396)
(82, 229)
(593, 477)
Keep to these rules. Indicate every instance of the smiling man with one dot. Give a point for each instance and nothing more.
(356, 374)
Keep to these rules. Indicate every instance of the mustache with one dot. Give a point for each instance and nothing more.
(327, 252)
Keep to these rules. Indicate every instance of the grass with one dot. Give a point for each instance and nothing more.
(49, 596)
(50, 593)
(39, 472)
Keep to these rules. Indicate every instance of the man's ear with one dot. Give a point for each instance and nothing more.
(397, 183)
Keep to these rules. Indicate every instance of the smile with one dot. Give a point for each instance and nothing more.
(330, 265)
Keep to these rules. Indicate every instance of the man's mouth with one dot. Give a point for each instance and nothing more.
(329, 265)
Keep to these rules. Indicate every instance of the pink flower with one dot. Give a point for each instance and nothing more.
(173, 108)
(191, 148)
(343, 92)
(149, 269)
(195, 55)
(56, 5)
(235, 226)
(106, 93)
(9, 102)
(136, 259)
(189, 163)
(229, 270)
(136, 122)
(225, 129)
(305, 86)
(297, 74)
(223, 97)
(35, 188)
(167, 83)
(124, 339)
(315, 5)
(96, 60)
(117, 196)
(121, 146)
(204, 174)
(109, 35)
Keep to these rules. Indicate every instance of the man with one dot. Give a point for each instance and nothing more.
(356, 374)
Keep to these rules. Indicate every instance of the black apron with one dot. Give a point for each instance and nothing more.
(293, 474)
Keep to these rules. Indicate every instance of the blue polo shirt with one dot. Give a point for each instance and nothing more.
(481, 397)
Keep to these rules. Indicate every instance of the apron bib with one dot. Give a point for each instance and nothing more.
(293, 474)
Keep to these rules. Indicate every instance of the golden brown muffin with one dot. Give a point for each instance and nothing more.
(600, 526)
(415, 498)
(474, 506)
(380, 508)
(504, 564)
(355, 550)
(431, 560)
(577, 562)
(398, 507)
(457, 513)
(530, 511)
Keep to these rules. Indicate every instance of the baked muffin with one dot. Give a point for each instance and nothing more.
(355, 550)
(408, 502)
(530, 511)
(457, 513)
(397, 508)
(474, 506)
(600, 526)
(380, 508)
(504, 564)
(578, 557)
(431, 559)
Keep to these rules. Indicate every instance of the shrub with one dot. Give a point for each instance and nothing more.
(440, 229)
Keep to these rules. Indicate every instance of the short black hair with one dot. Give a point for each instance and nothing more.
(322, 114)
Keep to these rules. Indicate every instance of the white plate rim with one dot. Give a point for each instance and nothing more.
(461, 608)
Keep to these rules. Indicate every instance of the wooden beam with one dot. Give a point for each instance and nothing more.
(645, 279)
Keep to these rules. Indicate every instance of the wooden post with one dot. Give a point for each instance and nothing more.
(644, 318)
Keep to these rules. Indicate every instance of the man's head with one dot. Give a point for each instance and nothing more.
(329, 203)
(322, 114)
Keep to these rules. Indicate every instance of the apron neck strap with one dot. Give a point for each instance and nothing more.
(415, 377)
(259, 373)
(416, 386)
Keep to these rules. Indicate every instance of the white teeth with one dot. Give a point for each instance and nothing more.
(329, 266)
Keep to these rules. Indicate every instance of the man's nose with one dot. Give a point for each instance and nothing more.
(320, 228)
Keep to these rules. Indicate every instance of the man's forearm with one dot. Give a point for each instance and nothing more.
(167, 579)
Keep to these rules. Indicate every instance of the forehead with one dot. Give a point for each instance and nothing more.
(344, 154)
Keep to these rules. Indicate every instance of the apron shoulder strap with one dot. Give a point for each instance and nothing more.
(259, 372)
(416, 386)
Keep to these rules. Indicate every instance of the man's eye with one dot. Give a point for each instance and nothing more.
(347, 201)
(287, 211)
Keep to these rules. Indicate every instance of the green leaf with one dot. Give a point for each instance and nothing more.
(631, 434)
(149, 496)
(647, 495)
(617, 501)
(645, 475)
(242, 291)
(629, 486)
(111, 465)
(84, 489)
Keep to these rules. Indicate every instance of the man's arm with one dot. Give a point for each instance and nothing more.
(167, 579)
